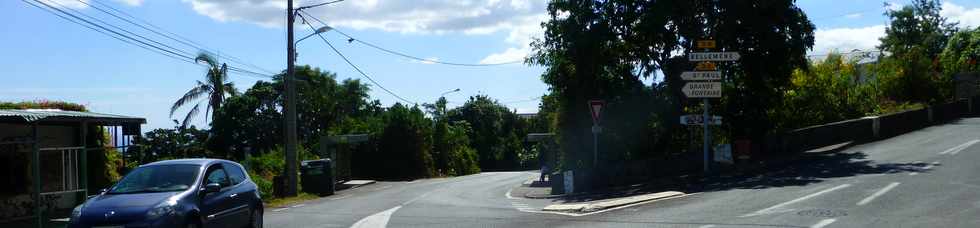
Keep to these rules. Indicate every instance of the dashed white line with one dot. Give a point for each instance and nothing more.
(777, 206)
(298, 205)
(281, 209)
(823, 223)
(706, 226)
(878, 193)
(955, 150)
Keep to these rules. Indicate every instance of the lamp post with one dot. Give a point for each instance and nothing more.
(448, 92)
(289, 108)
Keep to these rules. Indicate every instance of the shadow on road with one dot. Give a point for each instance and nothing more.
(806, 171)
(812, 169)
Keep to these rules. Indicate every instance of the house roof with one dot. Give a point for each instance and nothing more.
(34, 115)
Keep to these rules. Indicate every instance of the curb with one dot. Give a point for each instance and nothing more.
(598, 206)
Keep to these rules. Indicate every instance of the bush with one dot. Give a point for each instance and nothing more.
(267, 165)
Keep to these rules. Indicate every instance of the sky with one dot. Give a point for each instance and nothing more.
(45, 57)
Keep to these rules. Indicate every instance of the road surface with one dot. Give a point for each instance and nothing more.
(927, 178)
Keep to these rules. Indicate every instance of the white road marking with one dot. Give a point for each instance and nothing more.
(955, 150)
(823, 223)
(281, 209)
(508, 194)
(706, 226)
(777, 206)
(341, 197)
(379, 220)
(298, 205)
(878, 193)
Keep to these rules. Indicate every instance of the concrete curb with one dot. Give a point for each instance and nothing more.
(602, 205)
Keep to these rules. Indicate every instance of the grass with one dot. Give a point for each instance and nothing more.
(280, 202)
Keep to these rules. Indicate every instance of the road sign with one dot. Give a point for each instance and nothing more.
(706, 66)
(705, 44)
(702, 89)
(699, 120)
(713, 56)
(701, 75)
(595, 106)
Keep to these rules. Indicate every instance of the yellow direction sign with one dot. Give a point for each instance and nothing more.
(706, 66)
(705, 44)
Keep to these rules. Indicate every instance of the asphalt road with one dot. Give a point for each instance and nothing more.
(927, 178)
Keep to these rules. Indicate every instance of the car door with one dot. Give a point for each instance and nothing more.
(216, 206)
(241, 200)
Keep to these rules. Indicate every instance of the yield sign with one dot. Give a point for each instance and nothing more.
(595, 106)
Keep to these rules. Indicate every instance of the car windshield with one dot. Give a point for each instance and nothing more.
(157, 178)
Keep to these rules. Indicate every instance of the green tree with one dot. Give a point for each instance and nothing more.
(961, 53)
(495, 133)
(214, 87)
(601, 50)
(915, 37)
(833, 89)
(405, 144)
(917, 28)
(253, 119)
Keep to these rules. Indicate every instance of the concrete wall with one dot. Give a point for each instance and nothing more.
(870, 128)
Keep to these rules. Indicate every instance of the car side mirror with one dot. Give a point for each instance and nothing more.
(212, 188)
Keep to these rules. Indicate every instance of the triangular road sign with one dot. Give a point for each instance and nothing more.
(595, 106)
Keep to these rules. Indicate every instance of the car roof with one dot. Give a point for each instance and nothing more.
(190, 161)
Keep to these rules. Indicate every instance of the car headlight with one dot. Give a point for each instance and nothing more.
(160, 210)
(77, 212)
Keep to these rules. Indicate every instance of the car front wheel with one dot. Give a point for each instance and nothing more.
(256, 218)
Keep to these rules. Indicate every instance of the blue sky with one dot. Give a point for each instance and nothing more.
(47, 58)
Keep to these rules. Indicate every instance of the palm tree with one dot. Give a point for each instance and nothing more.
(215, 87)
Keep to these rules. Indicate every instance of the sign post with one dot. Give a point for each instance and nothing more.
(595, 107)
(706, 70)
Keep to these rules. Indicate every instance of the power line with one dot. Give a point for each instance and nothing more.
(103, 28)
(353, 65)
(393, 52)
(157, 30)
(166, 50)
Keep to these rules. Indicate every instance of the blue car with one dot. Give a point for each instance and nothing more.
(176, 193)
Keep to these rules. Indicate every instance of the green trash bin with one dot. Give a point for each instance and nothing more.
(316, 177)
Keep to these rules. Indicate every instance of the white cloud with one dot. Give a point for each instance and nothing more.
(520, 19)
(435, 16)
(131, 2)
(968, 18)
(509, 55)
(853, 16)
(894, 6)
(847, 39)
(429, 60)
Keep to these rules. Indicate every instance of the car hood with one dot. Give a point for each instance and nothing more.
(137, 200)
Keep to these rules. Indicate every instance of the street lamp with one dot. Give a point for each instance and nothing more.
(318, 31)
(448, 92)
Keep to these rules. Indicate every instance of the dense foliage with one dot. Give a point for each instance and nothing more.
(601, 50)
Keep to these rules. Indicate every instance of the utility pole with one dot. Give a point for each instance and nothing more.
(290, 103)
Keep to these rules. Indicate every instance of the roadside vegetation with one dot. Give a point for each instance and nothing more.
(590, 50)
